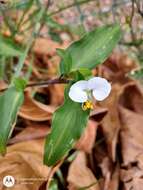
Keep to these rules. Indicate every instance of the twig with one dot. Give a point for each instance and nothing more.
(69, 6)
(44, 83)
(46, 9)
(131, 20)
(37, 29)
(49, 82)
(82, 16)
(139, 9)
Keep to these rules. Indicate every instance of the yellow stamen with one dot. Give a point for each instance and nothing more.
(87, 105)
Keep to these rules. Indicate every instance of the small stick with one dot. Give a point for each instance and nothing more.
(44, 83)
(48, 82)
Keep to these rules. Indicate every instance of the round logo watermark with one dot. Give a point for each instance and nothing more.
(8, 181)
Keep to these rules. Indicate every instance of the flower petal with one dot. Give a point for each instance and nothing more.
(77, 93)
(100, 86)
(82, 84)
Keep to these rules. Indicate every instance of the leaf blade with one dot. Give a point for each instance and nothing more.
(9, 48)
(68, 124)
(93, 49)
(10, 103)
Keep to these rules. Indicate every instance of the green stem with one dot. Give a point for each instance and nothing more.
(2, 67)
(36, 30)
(69, 6)
(22, 58)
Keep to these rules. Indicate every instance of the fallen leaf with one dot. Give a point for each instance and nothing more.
(111, 123)
(80, 176)
(87, 140)
(131, 115)
(131, 135)
(132, 178)
(132, 92)
(98, 113)
(114, 182)
(35, 111)
(110, 174)
(117, 66)
(46, 46)
(24, 161)
(30, 133)
(106, 167)
(57, 94)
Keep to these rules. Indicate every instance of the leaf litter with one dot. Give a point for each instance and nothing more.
(109, 155)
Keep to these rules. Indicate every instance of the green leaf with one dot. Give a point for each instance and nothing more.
(138, 74)
(85, 72)
(78, 29)
(66, 60)
(68, 124)
(52, 23)
(19, 83)
(28, 4)
(10, 102)
(16, 4)
(9, 48)
(53, 185)
(93, 49)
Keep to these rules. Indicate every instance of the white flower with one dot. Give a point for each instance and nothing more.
(84, 91)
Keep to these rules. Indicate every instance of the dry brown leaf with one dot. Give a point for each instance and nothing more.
(116, 67)
(34, 110)
(131, 114)
(114, 182)
(57, 94)
(106, 167)
(111, 123)
(3, 85)
(131, 135)
(109, 180)
(132, 178)
(45, 66)
(87, 140)
(98, 113)
(110, 174)
(134, 94)
(80, 175)
(46, 46)
(24, 161)
(30, 133)
(46, 61)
